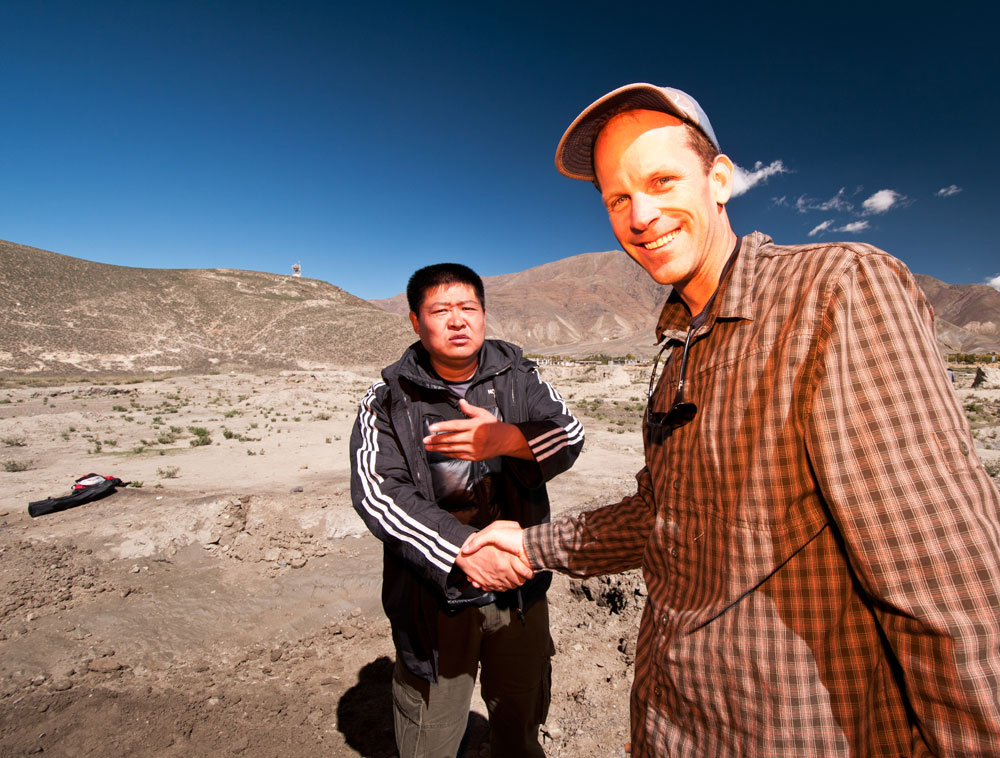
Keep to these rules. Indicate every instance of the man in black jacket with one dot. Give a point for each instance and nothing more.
(460, 432)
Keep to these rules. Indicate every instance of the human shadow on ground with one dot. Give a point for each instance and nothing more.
(364, 715)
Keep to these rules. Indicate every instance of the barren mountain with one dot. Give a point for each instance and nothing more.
(63, 315)
(604, 303)
(586, 304)
(968, 315)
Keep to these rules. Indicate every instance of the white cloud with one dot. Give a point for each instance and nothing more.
(994, 282)
(951, 189)
(821, 227)
(838, 202)
(882, 201)
(744, 181)
(853, 227)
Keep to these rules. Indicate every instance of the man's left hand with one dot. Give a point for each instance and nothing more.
(477, 438)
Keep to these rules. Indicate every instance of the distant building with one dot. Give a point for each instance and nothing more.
(296, 269)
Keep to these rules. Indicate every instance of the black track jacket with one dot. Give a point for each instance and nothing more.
(392, 490)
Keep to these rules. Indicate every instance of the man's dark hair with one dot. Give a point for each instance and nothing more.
(429, 277)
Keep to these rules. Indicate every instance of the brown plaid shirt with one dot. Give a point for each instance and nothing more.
(821, 545)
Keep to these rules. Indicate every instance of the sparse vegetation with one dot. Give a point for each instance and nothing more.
(201, 436)
(14, 441)
(14, 466)
(170, 472)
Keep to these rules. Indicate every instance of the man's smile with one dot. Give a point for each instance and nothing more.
(660, 241)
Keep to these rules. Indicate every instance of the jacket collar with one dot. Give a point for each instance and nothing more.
(495, 356)
(733, 301)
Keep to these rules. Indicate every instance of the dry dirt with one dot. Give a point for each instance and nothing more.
(230, 604)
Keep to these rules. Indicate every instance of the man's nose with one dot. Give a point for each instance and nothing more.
(644, 212)
(456, 318)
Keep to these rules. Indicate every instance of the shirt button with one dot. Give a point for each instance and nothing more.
(665, 620)
(673, 552)
(963, 447)
(657, 691)
(677, 484)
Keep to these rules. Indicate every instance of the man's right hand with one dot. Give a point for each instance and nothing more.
(494, 558)
(506, 535)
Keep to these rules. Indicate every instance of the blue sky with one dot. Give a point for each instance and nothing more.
(364, 140)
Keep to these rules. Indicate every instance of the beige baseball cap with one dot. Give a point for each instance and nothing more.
(575, 154)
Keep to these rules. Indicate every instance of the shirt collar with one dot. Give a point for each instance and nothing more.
(733, 300)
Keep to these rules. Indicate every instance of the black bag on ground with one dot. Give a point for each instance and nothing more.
(85, 489)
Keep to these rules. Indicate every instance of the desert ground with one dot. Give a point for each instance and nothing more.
(227, 602)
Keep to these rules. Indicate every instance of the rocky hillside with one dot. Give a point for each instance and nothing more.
(586, 304)
(604, 303)
(61, 316)
(967, 315)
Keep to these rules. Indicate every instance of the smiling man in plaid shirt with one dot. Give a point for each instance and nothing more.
(820, 543)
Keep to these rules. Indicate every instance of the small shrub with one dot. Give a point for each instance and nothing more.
(170, 472)
(136, 484)
(119, 408)
(201, 436)
(15, 442)
(14, 466)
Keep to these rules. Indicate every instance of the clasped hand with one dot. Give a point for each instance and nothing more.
(494, 558)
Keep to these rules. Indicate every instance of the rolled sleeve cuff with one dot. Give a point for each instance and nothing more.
(538, 541)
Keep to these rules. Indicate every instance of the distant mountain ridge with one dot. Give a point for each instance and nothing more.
(586, 304)
(605, 303)
(61, 315)
(66, 316)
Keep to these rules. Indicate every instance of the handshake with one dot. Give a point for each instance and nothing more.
(494, 558)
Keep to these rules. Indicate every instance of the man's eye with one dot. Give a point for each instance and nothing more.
(616, 202)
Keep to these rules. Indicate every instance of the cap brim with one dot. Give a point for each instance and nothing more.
(574, 154)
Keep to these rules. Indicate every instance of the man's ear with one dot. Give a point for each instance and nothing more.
(415, 321)
(721, 178)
